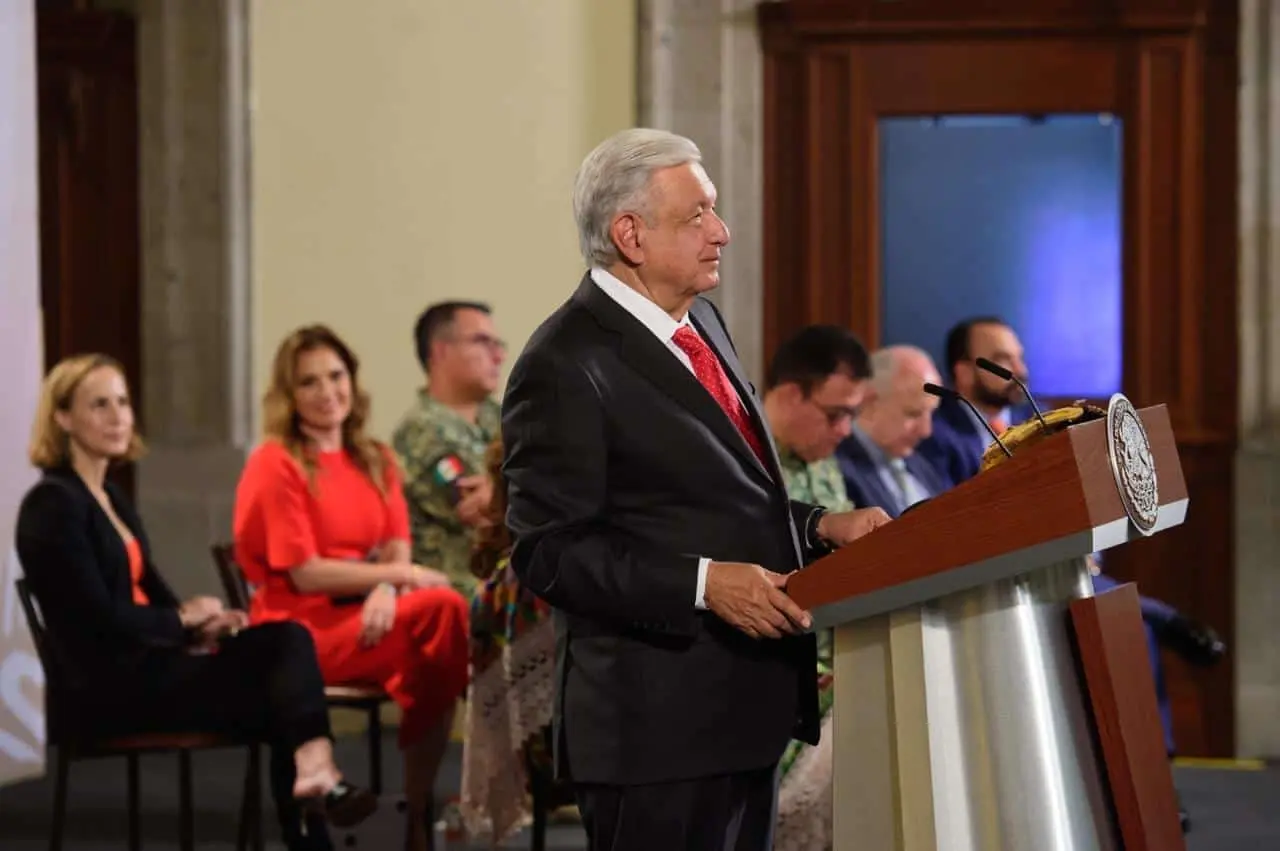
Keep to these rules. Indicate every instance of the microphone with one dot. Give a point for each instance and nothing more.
(948, 393)
(1000, 372)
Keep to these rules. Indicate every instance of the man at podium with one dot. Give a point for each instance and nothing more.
(647, 508)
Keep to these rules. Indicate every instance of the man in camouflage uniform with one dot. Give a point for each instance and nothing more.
(441, 440)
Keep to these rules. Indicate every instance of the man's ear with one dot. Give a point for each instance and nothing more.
(438, 347)
(627, 231)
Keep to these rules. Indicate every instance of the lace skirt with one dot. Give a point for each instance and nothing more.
(509, 704)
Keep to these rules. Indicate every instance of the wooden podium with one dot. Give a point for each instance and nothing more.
(985, 699)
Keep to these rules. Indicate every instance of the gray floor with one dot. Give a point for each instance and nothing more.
(1231, 810)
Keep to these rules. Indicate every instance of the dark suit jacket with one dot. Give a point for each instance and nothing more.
(866, 488)
(955, 448)
(622, 472)
(78, 569)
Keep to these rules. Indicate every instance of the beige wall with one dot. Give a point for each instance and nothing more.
(422, 150)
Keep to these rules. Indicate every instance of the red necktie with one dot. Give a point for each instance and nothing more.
(706, 366)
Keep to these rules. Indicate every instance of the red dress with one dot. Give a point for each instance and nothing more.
(136, 568)
(281, 522)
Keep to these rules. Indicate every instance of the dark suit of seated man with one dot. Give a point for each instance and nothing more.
(958, 438)
(878, 459)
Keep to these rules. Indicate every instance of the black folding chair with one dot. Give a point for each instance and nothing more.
(65, 734)
(357, 696)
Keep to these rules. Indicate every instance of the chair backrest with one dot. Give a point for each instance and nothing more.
(231, 576)
(59, 676)
(39, 635)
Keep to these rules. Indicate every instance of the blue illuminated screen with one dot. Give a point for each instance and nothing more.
(1010, 216)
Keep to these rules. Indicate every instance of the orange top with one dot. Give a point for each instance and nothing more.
(134, 549)
(282, 521)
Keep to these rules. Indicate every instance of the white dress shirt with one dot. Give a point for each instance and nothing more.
(664, 328)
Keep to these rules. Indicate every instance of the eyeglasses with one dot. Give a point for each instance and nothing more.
(492, 343)
(836, 414)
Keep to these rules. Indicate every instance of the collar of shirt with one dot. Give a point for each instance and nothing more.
(873, 450)
(645, 311)
(434, 410)
(787, 459)
(1003, 414)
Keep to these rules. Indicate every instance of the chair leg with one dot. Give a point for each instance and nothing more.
(256, 759)
(538, 839)
(246, 801)
(135, 802)
(62, 771)
(251, 804)
(186, 818)
(375, 749)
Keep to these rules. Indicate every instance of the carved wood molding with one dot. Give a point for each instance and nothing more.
(842, 18)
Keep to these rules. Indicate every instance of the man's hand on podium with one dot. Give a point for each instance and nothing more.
(752, 599)
(840, 529)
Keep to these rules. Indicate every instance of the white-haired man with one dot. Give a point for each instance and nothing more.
(878, 459)
(648, 509)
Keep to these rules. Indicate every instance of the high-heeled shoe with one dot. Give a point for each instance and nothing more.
(344, 805)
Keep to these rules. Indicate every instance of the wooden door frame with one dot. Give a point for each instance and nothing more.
(1169, 72)
(90, 224)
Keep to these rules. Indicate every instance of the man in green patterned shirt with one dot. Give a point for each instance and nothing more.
(441, 440)
(815, 383)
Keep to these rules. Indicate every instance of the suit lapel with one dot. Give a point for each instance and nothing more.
(652, 359)
(869, 474)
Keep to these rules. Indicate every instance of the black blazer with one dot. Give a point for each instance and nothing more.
(622, 472)
(78, 569)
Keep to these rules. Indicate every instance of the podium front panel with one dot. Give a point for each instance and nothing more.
(962, 725)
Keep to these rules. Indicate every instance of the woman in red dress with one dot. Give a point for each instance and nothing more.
(322, 531)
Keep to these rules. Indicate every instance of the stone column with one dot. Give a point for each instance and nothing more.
(1257, 639)
(195, 322)
(700, 75)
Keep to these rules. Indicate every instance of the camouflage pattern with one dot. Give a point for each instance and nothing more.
(428, 433)
(814, 482)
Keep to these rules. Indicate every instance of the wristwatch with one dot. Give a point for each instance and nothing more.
(814, 542)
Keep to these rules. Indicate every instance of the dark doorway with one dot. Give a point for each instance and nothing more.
(89, 214)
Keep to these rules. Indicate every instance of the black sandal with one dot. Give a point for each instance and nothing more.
(344, 805)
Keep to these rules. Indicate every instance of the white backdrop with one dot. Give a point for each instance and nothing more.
(21, 678)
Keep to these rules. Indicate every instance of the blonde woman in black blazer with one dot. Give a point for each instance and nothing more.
(150, 662)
